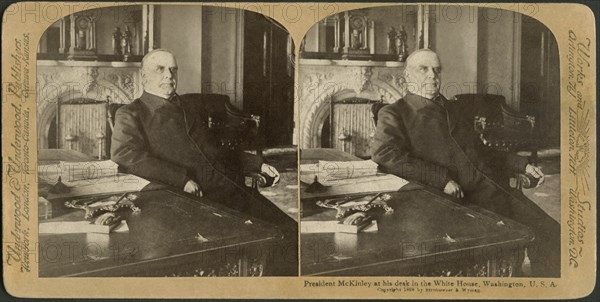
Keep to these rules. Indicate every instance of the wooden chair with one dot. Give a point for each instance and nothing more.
(235, 130)
(375, 111)
(500, 128)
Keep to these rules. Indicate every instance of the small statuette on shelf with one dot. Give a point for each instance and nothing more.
(401, 45)
(126, 43)
(116, 41)
(391, 41)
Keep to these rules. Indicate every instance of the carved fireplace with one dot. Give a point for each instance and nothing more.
(335, 98)
(72, 100)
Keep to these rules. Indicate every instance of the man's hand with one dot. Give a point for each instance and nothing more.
(271, 171)
(193, 188)
(454, 189)
(535, 172)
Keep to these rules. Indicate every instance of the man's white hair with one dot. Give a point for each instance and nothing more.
(410, 58)
(152, 53)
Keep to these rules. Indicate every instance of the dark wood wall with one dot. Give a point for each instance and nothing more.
(540, 79)
(269, 78)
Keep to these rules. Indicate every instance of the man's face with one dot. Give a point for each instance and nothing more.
(159, 75)
(423, 74)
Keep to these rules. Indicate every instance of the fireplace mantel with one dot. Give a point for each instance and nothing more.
(327, 62)
(322, 80)
(72, 63)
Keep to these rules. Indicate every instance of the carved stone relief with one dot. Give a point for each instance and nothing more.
(319, 84)
(61, 83)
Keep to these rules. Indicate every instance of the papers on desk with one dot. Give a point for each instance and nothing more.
(340, 170)
(87, 178)
(77, 171)
(348, 177)
(86, 170)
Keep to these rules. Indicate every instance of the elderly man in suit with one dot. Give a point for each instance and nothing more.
(164, 137)
(422, 138)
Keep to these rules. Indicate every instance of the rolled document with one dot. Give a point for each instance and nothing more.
(87, 170)
(334, 170)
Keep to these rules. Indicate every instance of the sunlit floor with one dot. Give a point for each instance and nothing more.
(547, 196)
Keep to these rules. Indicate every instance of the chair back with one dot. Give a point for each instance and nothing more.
(233, 128)
(111, 112)
(480, 105)
(500, 127)
(375, 111)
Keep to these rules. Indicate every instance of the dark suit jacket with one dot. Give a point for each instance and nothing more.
(169, 142)
(427, 141)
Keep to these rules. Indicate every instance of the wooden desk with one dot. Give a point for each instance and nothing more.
(162, 241)
(173, 235)
(427, 235)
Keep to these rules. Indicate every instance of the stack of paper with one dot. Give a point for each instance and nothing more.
(336, 170)
(77, 171)
(87, 170)
(363, 180)
(88, 178)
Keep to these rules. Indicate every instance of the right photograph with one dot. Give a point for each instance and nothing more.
(429, 144)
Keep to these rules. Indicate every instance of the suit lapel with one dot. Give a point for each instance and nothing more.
(190, 120)
(189, 115)
(449, 110)
(452, 117)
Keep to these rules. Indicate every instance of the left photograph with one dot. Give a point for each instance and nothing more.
(166, 144)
